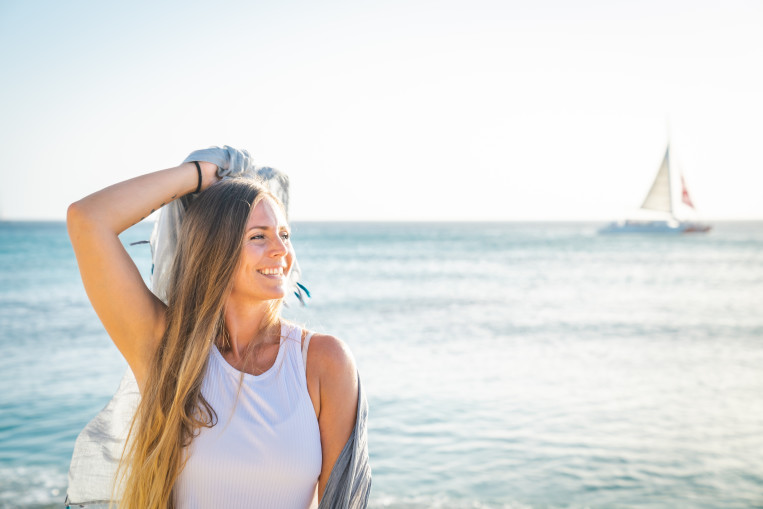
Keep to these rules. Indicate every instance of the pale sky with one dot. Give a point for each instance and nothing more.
(393, 110)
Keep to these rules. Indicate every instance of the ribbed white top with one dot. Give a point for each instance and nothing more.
(265, 450)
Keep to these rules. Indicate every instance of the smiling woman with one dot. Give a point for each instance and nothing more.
(235, 410)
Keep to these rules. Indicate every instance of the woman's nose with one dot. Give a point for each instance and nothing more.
(278, 248)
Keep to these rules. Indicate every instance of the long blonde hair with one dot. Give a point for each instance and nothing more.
(172, 409)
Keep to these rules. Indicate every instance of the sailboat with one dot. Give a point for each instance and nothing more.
(658, 211)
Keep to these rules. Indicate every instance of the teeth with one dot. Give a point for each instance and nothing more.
(277, 271)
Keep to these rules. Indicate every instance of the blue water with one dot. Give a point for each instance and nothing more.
(508, 365)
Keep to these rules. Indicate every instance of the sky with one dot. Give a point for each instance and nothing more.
(395, 110)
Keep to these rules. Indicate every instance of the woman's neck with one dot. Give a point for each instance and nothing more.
(249, 327)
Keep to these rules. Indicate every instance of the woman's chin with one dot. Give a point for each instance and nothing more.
(277, 294)
(261, 296)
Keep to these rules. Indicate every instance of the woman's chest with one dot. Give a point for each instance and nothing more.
(257, 441)
(265, 445)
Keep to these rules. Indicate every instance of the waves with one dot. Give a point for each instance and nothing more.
(506, 367)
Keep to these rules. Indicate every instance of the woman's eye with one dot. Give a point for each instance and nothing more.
(257, 237)
(285, 235)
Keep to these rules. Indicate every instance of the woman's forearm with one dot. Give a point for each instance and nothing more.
(121, 205)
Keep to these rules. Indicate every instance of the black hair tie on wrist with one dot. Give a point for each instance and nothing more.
(198, 172)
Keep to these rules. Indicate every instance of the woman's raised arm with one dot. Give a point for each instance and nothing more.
(133, 317)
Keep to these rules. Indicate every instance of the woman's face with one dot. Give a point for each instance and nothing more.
(267, 255)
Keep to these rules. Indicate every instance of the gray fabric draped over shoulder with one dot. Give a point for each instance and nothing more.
(99, 446)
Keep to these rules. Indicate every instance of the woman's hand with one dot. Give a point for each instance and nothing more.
(230, 161)
(208, 174)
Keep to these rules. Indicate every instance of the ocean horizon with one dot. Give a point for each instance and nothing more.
(523, 365)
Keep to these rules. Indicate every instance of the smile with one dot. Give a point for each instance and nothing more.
(274, 271)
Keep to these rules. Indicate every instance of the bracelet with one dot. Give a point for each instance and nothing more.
(198, 172)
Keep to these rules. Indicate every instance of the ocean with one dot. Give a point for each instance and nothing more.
(507, 365)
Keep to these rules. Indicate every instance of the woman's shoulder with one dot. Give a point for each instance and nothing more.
(332, 358)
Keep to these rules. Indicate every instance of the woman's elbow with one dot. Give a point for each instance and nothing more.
(73, 211)
(73, 215)
(77, 219)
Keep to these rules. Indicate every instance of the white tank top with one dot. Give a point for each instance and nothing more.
(265, 450)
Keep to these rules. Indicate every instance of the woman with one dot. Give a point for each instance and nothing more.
(222, 419)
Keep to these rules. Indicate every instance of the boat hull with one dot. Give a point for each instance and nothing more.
(660, 227)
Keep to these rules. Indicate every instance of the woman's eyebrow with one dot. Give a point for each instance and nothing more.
(284, 227)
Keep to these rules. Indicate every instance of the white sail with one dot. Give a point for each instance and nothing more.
(659, 196)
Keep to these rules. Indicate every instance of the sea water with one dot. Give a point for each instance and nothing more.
(507, 365)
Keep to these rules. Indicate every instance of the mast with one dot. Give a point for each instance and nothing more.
(670, 180)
